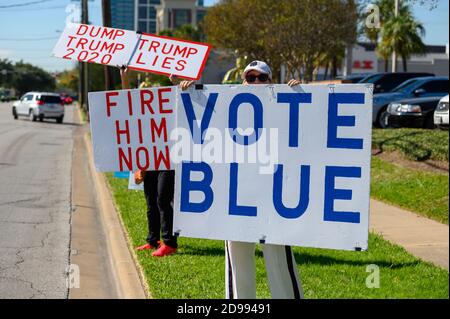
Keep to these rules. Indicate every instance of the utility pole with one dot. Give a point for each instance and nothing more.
(394, 54)
(84, 74)
(109, 73)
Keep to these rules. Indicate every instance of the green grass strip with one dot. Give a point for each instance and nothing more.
(197, 269)
(421, 192)
(415, 144)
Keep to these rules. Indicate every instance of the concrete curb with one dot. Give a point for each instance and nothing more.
(125, 268)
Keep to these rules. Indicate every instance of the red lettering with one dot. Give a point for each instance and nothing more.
(146, 102)
(119, 33)
(82, 26)
(126, 131)
(128, 161)
(107, 33)
(143, 41)
(130, 104)
(156, 59)
(110, 104)
(140, 131)
(162, 100)
(179, 51)
(118, 47)
(181, 64)
(191, 51)
(138, 159)
(81, 42)
(138, 61)
(159, 130)
(165, 62)
(154, 45)
(368, 65)
(160, 157)
(70, 41)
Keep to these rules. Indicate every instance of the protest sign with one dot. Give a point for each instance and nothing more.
(132, 184)
(275, 164)
(130, 128)
(96, 44)
(163, 55)
(139, 51)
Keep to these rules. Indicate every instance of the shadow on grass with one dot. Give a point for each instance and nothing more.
(301, 258)
(405, 146)
(323, 260)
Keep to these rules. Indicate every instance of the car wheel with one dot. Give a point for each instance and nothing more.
(14, 112)
(60, 119)
(32, 116)
(41, 118)
(383, 118)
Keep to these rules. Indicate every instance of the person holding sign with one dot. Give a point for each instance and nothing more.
(158, 190)
(240, 276)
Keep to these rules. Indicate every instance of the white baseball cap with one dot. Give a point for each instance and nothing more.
(260, 66)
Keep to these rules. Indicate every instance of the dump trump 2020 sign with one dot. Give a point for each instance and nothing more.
(275, 164)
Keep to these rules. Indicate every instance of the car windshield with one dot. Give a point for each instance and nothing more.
(371, 78)
(50, 99)
(406, 87)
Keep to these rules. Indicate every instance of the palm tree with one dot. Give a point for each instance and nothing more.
(404, 35)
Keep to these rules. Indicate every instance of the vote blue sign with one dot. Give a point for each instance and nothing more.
(275, 164)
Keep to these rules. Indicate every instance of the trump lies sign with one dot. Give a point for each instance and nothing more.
(274, 164)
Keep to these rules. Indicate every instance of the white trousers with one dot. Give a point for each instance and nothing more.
(240, 271)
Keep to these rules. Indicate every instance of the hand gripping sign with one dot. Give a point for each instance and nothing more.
(139, 51)
(316, 140)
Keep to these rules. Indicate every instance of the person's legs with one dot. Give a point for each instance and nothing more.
(282, 273)
(166, 180)
(240, 276)
(153, 214)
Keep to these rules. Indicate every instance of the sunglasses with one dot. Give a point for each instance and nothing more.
(261, 78)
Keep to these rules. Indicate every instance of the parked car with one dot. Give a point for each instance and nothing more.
(441, 113)
(39, 105)
(353, 78)
(67, 99)
(416, 112)
(413, 88)
(386, 82)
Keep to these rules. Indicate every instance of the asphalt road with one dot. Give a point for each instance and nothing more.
(35, 205)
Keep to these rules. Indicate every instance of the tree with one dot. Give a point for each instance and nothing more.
(185, 32)
(296, 33)
(403, 34)
(6, 73)
(28, 77)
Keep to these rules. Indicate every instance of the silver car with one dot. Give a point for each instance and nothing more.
(39, 105)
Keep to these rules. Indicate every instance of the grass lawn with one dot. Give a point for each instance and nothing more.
(415, 144)
(197, 270)
(421, 192)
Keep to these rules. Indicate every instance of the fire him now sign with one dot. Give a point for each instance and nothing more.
(138, 51)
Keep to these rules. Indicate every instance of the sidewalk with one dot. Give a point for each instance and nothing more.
(422, 237)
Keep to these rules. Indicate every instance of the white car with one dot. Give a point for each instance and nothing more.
(441, 113)
(39, 105)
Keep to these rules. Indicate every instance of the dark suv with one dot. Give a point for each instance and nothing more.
(386, 82)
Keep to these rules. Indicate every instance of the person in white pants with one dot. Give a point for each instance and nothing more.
(240, 268)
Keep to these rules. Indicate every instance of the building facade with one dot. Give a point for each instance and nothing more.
(153, 16)
(122, 14)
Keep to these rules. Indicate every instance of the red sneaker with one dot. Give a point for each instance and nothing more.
(164, 250)
(147, 247)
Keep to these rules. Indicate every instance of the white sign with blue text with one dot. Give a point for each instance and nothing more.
(274, 164)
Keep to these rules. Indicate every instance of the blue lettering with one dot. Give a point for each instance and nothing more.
(258, 118)
(294, 100)
(332, 194)
(234, 208)
(282, 210)
(204, 186)
(334, 120)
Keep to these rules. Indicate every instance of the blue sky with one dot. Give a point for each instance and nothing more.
(42, 22)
